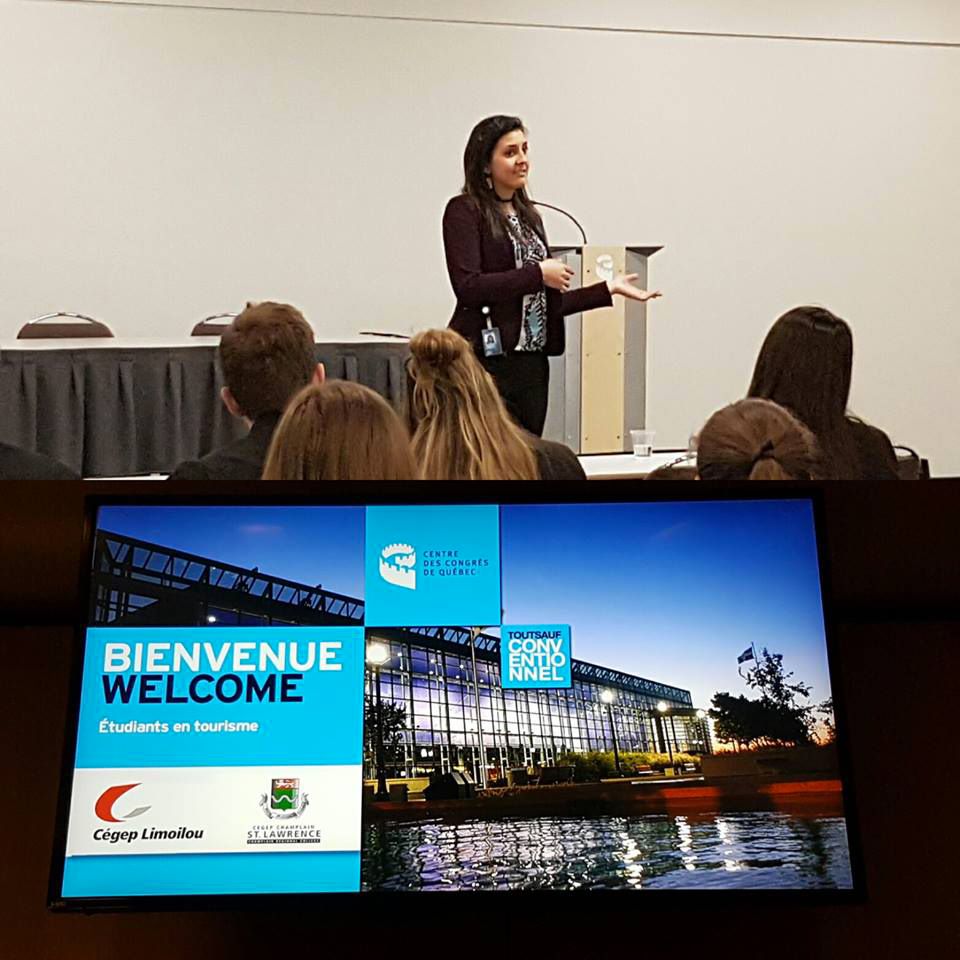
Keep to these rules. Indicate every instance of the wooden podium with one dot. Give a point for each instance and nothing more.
(598, 388)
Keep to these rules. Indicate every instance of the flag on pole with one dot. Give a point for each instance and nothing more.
(746, 655)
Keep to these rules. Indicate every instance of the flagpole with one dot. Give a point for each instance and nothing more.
(743, 656)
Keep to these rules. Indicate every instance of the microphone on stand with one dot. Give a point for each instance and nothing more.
(569, 216)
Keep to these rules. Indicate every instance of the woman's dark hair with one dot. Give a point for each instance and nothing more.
(683, 468)
(805, 365)
(756, 440)
(476, 160)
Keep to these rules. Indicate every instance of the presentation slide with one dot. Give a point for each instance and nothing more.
(311, 699)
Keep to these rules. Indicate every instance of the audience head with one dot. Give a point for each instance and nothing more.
(682, 469)
(463, 430)
(756, 440)
(805, 365)
(339, 430)
(267, 355)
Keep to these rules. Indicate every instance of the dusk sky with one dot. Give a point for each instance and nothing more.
(669, 591)
(310, 545)
(672, 591)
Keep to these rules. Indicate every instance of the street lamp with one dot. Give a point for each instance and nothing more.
(664, 710)
(377, 655)
(702, 717)
(608, 696)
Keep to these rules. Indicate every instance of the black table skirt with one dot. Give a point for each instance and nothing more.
(111, 411)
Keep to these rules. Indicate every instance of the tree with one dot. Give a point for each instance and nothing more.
(768, 677)
(734, 719)
(790, 721)
(775, 719)
(394, 720)
(757, 723)
(825, 710)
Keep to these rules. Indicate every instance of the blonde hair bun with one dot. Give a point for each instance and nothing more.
(438, 350)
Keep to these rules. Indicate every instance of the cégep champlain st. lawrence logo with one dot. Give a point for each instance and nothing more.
(285, 801)
(282, 806)
(398, 565)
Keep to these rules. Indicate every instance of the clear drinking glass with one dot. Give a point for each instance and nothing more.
(642, 442)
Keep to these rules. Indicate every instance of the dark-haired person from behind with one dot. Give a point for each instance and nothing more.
(462, 428)
(511, 294)
(266, 355)
(805, 365)
(680, 469)
(339, 431)
(756, 440)
(17, 464)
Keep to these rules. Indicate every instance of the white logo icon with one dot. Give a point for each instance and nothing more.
(397, 565)
(604, 267)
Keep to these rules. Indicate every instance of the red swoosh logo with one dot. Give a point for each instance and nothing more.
(104, 806)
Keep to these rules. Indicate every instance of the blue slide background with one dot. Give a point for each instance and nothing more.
(473, 531)
(326, 728)
(179, 874)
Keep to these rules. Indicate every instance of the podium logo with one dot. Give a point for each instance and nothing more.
(397, 563)
(604, 267)
(104, 805)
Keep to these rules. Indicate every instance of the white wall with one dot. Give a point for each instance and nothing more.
(158, 164)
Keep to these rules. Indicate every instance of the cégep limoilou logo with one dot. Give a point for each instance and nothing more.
(398, 565)
(114, 835)
(104, 805)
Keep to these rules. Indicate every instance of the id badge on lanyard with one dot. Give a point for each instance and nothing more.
(490, 337)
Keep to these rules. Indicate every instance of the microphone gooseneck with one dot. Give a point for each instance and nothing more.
(569, 216)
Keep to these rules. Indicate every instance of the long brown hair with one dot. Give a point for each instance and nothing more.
(463, 430)
(339, 431)
(476, 157)
(805, 365)
(756, 440)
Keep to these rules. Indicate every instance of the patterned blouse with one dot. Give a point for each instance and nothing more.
(529, 248)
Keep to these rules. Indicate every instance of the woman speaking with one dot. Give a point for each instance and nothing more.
(511, 294)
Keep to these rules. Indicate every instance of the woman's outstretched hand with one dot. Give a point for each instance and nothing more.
(623, 284)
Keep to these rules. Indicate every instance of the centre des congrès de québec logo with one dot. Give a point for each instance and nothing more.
(432, 565)
(398, 563)
(104, 805)
(285, 800)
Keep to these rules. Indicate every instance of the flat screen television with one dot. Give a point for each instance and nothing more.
(611, 691)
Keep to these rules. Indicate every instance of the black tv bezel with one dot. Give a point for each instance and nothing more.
(390, 903)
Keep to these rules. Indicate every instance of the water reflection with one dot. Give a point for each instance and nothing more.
(756, 849)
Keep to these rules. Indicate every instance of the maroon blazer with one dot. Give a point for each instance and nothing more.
(483, 273)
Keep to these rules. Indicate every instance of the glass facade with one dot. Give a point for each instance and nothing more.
(450, 712)
(454, 720)
(136, 583)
